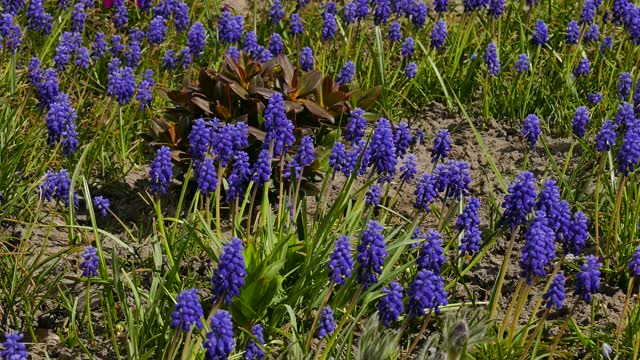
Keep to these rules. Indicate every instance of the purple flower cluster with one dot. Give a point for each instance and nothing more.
(409, 168)
(395, 32)
(594, 98)
(89, 264)
(371, 254)
(426, 292)
(580, 120)
(441, 146)
(390, 306)
(373, 195)
(187, 311)
(629, 155)
(346, 73)
(121, 83)
(327, 324)
(555, 296)
(522, 63)
(401, 138)
(431, 256)
(306, 59)
(452, 179)
(540, 34)
(411, 70)
(520, 200)
(624, 86)
(531, 129)
(229, 276)
(492, 60)
(276, 44)
(469, 222)
(57, 185)
(573, 32)
(340, 262)
(13, 348)
(10, 33)
(634, 263)
(408, 48)
(253, 351)
(593, 34)
(539, 248)
(219, 343)
(588, 279)
(196, 39)
(102, 204)
(61, 126)
(356, 125)
(583, 69)
(38, 20)
(230, 27)
(425, 192)
(278, 127)
(438, 35)
(296, 27)
(161, 171)
(383, 150)
(606, 138)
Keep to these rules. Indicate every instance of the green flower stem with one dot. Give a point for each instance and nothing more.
(312, 331)
(497, 290)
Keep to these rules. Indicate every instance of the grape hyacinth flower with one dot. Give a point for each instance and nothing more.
(624, 86)
(356, 125)
(228, 278)
(296, 27)
(390, 306)
(411, 70)
(492, 60)
(573, 32)
(276, 44)
(408, 48)
(577, 235)
(68, 45)
(278, 127)
(346, 73)
(337, 156)
(121, 84)
(233, 53)
(440, 6)
(401, 138)
(276, 13)
(120, 15)
(583, 69)
(161, 171)
(38, 20)
(606, 138)
(157, 31)
(426, 292)
(349, 12)
(540, 34)
(395, 33)
(539, 248)
(381, 12)
(240, 173)
(306, 59)
(117, 47)
(593, 34)
(329, 27)
(520, 200)
(89, 264)
(262, 168)
(588, 279)
(425, 193)
(409, 168)
(549, 203)
(12, 7)
(625, 116)
(452, 179)
(588, 13)
(555, 296)
(469, 222)
(594, 98)
(57, 185)
(580, 120)
(373, 195)
(196, 39)
(219, 343)
(327, 324)
(418, 13)
(439, 35)
(102, 204)
(522, 64)
(206, 176)
(371, 254)
(253, 351)
(340, 262)
(629, 154)
(418, 137)
(607, 44)
(99, 46)
(230, 27)
(531, 129)
(61, 125)
(383, 150)
(431, 255)
(200, 138)
(187, 311)
(13, 348)
(78, 17)
(303, 157)
(181, 16)
(145, 89)
(10, 33)
(495, 8)
(634, 263)
(441, 146)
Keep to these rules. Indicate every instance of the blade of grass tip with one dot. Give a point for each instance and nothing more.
(380, 60)
(483, 146)
(438, 74)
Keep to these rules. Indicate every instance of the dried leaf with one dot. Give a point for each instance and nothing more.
(239, 90)
(367, 99)
(287, 68)
(308, 83)
(202, 104)
(317, 110)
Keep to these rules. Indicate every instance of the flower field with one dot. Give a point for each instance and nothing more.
(312, 179)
